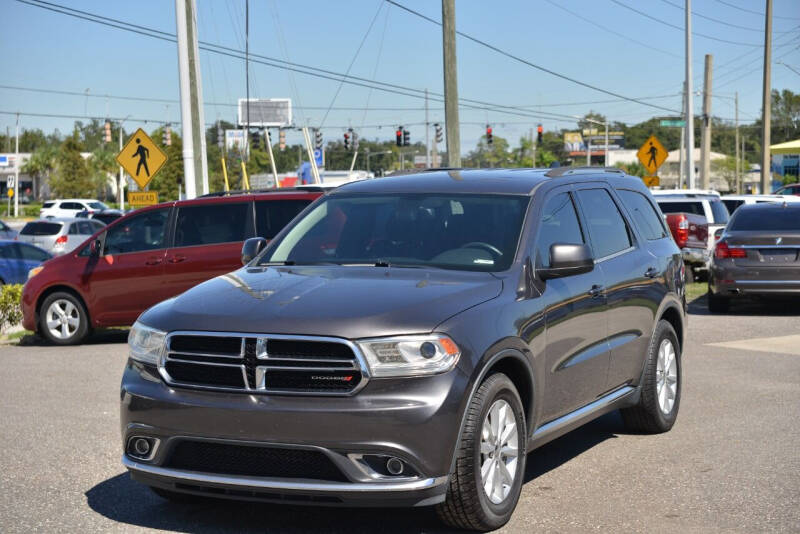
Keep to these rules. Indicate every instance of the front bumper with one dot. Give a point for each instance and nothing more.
(416, 420)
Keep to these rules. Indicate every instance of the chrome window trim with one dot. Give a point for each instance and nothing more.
(764, 246)
(360, 364)
(284, 484)
(615, 255)
(765, 282)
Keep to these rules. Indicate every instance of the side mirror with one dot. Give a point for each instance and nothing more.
(251, 249)
(567, 260)
(95, 247)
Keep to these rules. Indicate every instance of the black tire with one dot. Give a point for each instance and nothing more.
(176, 497)
(646, 415)
(82, 329)
(467, 506)
(689, 275)
(717, 304)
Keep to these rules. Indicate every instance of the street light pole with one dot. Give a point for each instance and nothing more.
(766, 103)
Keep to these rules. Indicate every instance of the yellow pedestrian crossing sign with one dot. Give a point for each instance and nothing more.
(652, 154)
(141, 158)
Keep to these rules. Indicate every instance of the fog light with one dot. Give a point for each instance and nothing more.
(394, 466)
(141, 447)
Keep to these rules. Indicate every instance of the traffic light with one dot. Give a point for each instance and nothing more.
(318, 139)
(406, 137)
(282, 140)
(355, 141)
(220, 136)
(539, 131)
(489, 138)
(399, 136)
(107, 132)
(167, 135)
(254, 140)
(347, 140)
(439, 136)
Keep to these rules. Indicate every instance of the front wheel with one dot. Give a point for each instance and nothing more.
(63, 319)
(486, 482)
(660, 397)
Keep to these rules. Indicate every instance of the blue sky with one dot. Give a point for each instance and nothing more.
(43, 49)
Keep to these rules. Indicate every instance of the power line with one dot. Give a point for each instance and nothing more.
(698, 34)
(530, 64)
(760, 14)
(303, 69)
(718, 21)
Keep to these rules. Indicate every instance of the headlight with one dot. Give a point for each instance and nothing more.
(146, 344)
(410, 355)
(33, 272)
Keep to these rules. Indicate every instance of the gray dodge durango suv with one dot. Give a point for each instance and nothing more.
(407, 341)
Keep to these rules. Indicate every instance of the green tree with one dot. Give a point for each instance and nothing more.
(102, 166)
(40, 166)
(727, 169)
(71, 177)
(167, 181)
(485, 155)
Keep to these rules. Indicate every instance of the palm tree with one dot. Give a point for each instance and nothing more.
(39, 166)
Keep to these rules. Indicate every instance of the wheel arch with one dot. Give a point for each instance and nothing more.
(66, 289)
(673, 316)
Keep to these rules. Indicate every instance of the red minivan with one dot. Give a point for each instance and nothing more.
(150, 255)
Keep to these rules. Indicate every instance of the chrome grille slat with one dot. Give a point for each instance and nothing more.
(306, 372)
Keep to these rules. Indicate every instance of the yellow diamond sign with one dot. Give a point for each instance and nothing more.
(141, 158)
(652, 154)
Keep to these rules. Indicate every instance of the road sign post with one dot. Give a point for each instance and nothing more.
(141, 158)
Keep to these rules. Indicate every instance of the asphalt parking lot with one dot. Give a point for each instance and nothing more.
(730, 464)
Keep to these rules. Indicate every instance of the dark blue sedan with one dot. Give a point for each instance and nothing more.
(16, 259)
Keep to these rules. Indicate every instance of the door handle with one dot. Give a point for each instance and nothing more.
(176, 259)
(152, 261)
(652, 272)
(596, 290)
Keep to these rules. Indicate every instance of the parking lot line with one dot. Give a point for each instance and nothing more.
(780, 344)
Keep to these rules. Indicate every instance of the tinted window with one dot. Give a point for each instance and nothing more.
(95, 226)
(71, 206)
(97, 205)
(74, 229)
(769, 219)
(48, 204)
(85, 228)
(7, 251)
(559, 224)
(32, 253)
(719, 212)
(473, 232)
(138, 233)
(607, 228)
(41, 228)
(107, 217)
(273, 215)
(644, 214)
(212, 223)
(4, 227)
(732, 204)
(688, 206)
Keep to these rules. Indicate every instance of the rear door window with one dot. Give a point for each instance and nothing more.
(211, 223)
(273, 215)
(607, 228)
(138, 233)
(72, 206)
(85, 228)
(41, 228)
(644, 214)
(559, 224)
(28, 252)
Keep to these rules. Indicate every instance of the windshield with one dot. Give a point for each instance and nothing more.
(41, 228)
(465, 232)
(772, 219)
(97, 206)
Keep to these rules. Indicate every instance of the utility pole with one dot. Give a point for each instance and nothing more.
(16, 172)
(705, 142)
(766, 103)
(533, 149)
(689, 106)
(605, 161)
(450, 83)
(195, 168)
(121, 187)
(738, 163)
(427, 135)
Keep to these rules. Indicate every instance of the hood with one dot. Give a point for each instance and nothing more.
(349, 302)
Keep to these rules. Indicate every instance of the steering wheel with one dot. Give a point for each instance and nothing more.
(486, 246)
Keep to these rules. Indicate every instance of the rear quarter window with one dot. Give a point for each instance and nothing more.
(41, 228)
(644, 214)
(719, 212)
(48, 204)
(687, 206)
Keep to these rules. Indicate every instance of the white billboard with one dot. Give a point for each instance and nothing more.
(265, 112)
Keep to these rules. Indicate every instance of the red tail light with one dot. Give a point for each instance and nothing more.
(682, 233)
(722, 251)
(61, 241)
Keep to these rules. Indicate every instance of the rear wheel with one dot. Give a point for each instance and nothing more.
(718, 304)
(63, 319)
(660, 397)
(485, 485)
(690, 275)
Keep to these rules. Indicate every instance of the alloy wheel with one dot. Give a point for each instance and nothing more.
(666, 376)
(499, 451)
(63, 319)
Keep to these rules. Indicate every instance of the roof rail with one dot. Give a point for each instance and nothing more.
(561, 171)
(303, 189)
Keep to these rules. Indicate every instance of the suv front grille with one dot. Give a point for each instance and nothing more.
(263, 363)
(254, 461)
